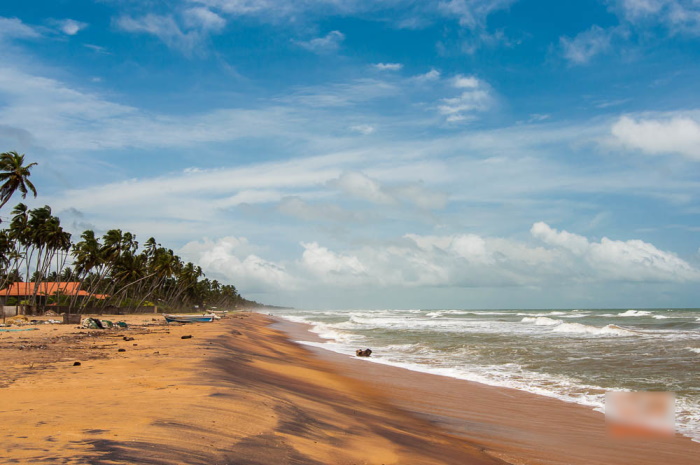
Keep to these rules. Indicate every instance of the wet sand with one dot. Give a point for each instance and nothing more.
(236, 392)
(518, 427)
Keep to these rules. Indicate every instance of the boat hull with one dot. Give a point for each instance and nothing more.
(189, 318)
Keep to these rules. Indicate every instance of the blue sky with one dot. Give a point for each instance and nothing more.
(387, 153)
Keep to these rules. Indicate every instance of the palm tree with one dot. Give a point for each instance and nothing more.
(14, 176)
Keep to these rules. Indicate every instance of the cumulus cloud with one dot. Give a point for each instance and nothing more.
(631, 260)
(456, 260)
(678, 135)
(328, 265)
(71, 27)
(326, 44)
(230, 257)
(586, 45)
(388, 66)
(475, 97)
(469, 260)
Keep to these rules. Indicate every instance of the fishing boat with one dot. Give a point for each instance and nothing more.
(189, 318)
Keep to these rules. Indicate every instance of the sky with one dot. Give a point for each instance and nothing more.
(375, 153)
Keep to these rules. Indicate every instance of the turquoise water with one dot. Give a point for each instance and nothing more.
(573, 355)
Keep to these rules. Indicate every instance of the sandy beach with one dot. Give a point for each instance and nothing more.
(239, 391)
(236, 392)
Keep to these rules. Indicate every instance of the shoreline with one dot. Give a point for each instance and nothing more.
(241, 391)
(515, 425)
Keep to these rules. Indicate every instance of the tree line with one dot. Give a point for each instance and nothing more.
(112, 269)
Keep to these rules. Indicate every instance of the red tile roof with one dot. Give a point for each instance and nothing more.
(27, 289)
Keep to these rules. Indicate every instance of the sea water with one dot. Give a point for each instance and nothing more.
(573, 355)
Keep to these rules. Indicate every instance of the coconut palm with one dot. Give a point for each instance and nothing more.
(14, 176)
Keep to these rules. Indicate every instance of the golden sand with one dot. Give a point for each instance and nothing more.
(236, 392)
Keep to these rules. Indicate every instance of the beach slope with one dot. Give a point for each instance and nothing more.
(236, 392)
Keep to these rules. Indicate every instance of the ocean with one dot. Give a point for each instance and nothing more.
(573, 355)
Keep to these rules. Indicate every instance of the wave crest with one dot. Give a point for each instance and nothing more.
(608, 330)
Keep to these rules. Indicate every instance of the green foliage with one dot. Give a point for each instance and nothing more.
(14, 176)
(112, 270)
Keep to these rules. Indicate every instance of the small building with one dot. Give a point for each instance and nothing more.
(43, 291)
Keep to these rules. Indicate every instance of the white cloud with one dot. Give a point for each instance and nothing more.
(166, 29)
(634, 9)
(563, 239)
(97, 49)
(343, 94)
(643, 17)
(203, 18)
(476, 97)
(432, 75)
(231, 258)
(388, 66)
(465, 82)
(325, 264)
(538, 117)
(678, 134)
(326, 44)
(187, 31)
(71, 27)
(14, 28)
(472, 13)
(469, 13)
(678, 16)
(467, 260)
(632, 260)
(364, 129)
(452, 261)
(60, 117)
(363, 187)
(252, 7)
(586, 45)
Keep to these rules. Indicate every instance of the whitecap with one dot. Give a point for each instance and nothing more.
(541, 321)
(609, 330)
(635, 313)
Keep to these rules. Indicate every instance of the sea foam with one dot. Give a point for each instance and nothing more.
(541, 321)
(635, 313)
(608, 330)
